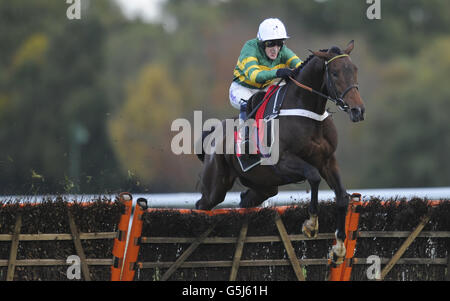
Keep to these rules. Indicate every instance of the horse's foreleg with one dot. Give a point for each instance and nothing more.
(256, 196)
(330, 172)
(216, 180)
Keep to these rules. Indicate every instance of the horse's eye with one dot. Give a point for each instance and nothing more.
(334, 73)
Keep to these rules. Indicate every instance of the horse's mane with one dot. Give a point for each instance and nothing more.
(333, 49)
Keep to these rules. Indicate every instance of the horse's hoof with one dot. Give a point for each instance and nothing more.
(311, 227)
(337, 255)
(335, 259)
(309, 233)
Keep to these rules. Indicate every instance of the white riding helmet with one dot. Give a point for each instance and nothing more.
(271, 29)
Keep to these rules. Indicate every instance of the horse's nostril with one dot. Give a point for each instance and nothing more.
(356, 111)
(357, 114)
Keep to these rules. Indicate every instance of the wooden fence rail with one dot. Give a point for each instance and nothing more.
(285, 262)
(292, 238)
(55, 262)
(219, 240)
(75, 235)
(58, 236)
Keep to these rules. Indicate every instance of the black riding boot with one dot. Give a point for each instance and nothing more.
(246, 160)
(243, 130)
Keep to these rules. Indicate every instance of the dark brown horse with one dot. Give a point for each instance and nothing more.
(306, 146)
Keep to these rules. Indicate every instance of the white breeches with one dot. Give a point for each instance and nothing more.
(240, 93)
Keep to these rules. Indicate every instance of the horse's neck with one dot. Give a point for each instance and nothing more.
(312, 76)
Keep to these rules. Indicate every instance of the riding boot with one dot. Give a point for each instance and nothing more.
(243, 140)
(246, 160)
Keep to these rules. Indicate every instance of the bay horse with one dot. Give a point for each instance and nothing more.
(306, 146)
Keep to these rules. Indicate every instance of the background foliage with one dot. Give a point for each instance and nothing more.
(86, 105)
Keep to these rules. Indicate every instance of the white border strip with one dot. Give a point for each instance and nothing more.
(187, 200)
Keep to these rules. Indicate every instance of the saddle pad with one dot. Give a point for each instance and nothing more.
(268, 111)
(273, 100)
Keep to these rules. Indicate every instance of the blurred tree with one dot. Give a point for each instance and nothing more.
(127, 49)
(404, 27)
(87, 105)
(21, 18)
(53, 85)
(410, 135)
(141, 133)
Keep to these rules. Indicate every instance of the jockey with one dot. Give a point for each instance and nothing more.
(262, 60)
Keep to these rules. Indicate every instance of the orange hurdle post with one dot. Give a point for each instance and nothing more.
(132, 251)
(343, 271)
(119, 241)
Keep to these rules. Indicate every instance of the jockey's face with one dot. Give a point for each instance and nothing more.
(272, 48)
(272, 52)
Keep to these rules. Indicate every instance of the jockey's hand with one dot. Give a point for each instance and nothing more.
(285, 73)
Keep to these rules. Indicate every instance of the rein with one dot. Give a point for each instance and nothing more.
(338, 100)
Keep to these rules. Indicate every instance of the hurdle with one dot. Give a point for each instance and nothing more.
(409, 238)
(130, 230)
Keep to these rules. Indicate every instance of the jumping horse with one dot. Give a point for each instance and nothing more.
(306, 146)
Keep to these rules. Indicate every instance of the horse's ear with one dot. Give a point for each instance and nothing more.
(350, 47)
(322, 54)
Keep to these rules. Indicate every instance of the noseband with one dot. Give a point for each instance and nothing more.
(338, 100)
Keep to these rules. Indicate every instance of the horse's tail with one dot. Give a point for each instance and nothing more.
(201, 156)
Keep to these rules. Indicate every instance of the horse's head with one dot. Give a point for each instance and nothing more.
(341, 80)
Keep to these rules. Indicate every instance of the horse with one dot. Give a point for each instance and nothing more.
(306, 146)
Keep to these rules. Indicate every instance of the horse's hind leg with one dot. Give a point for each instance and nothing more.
(216, 180)
(256, 196)
(311, 226)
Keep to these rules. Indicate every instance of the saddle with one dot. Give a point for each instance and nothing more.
(262, 132)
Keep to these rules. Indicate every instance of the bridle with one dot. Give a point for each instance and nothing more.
(331, 87)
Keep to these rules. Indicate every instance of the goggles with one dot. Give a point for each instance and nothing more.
(273, 43)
